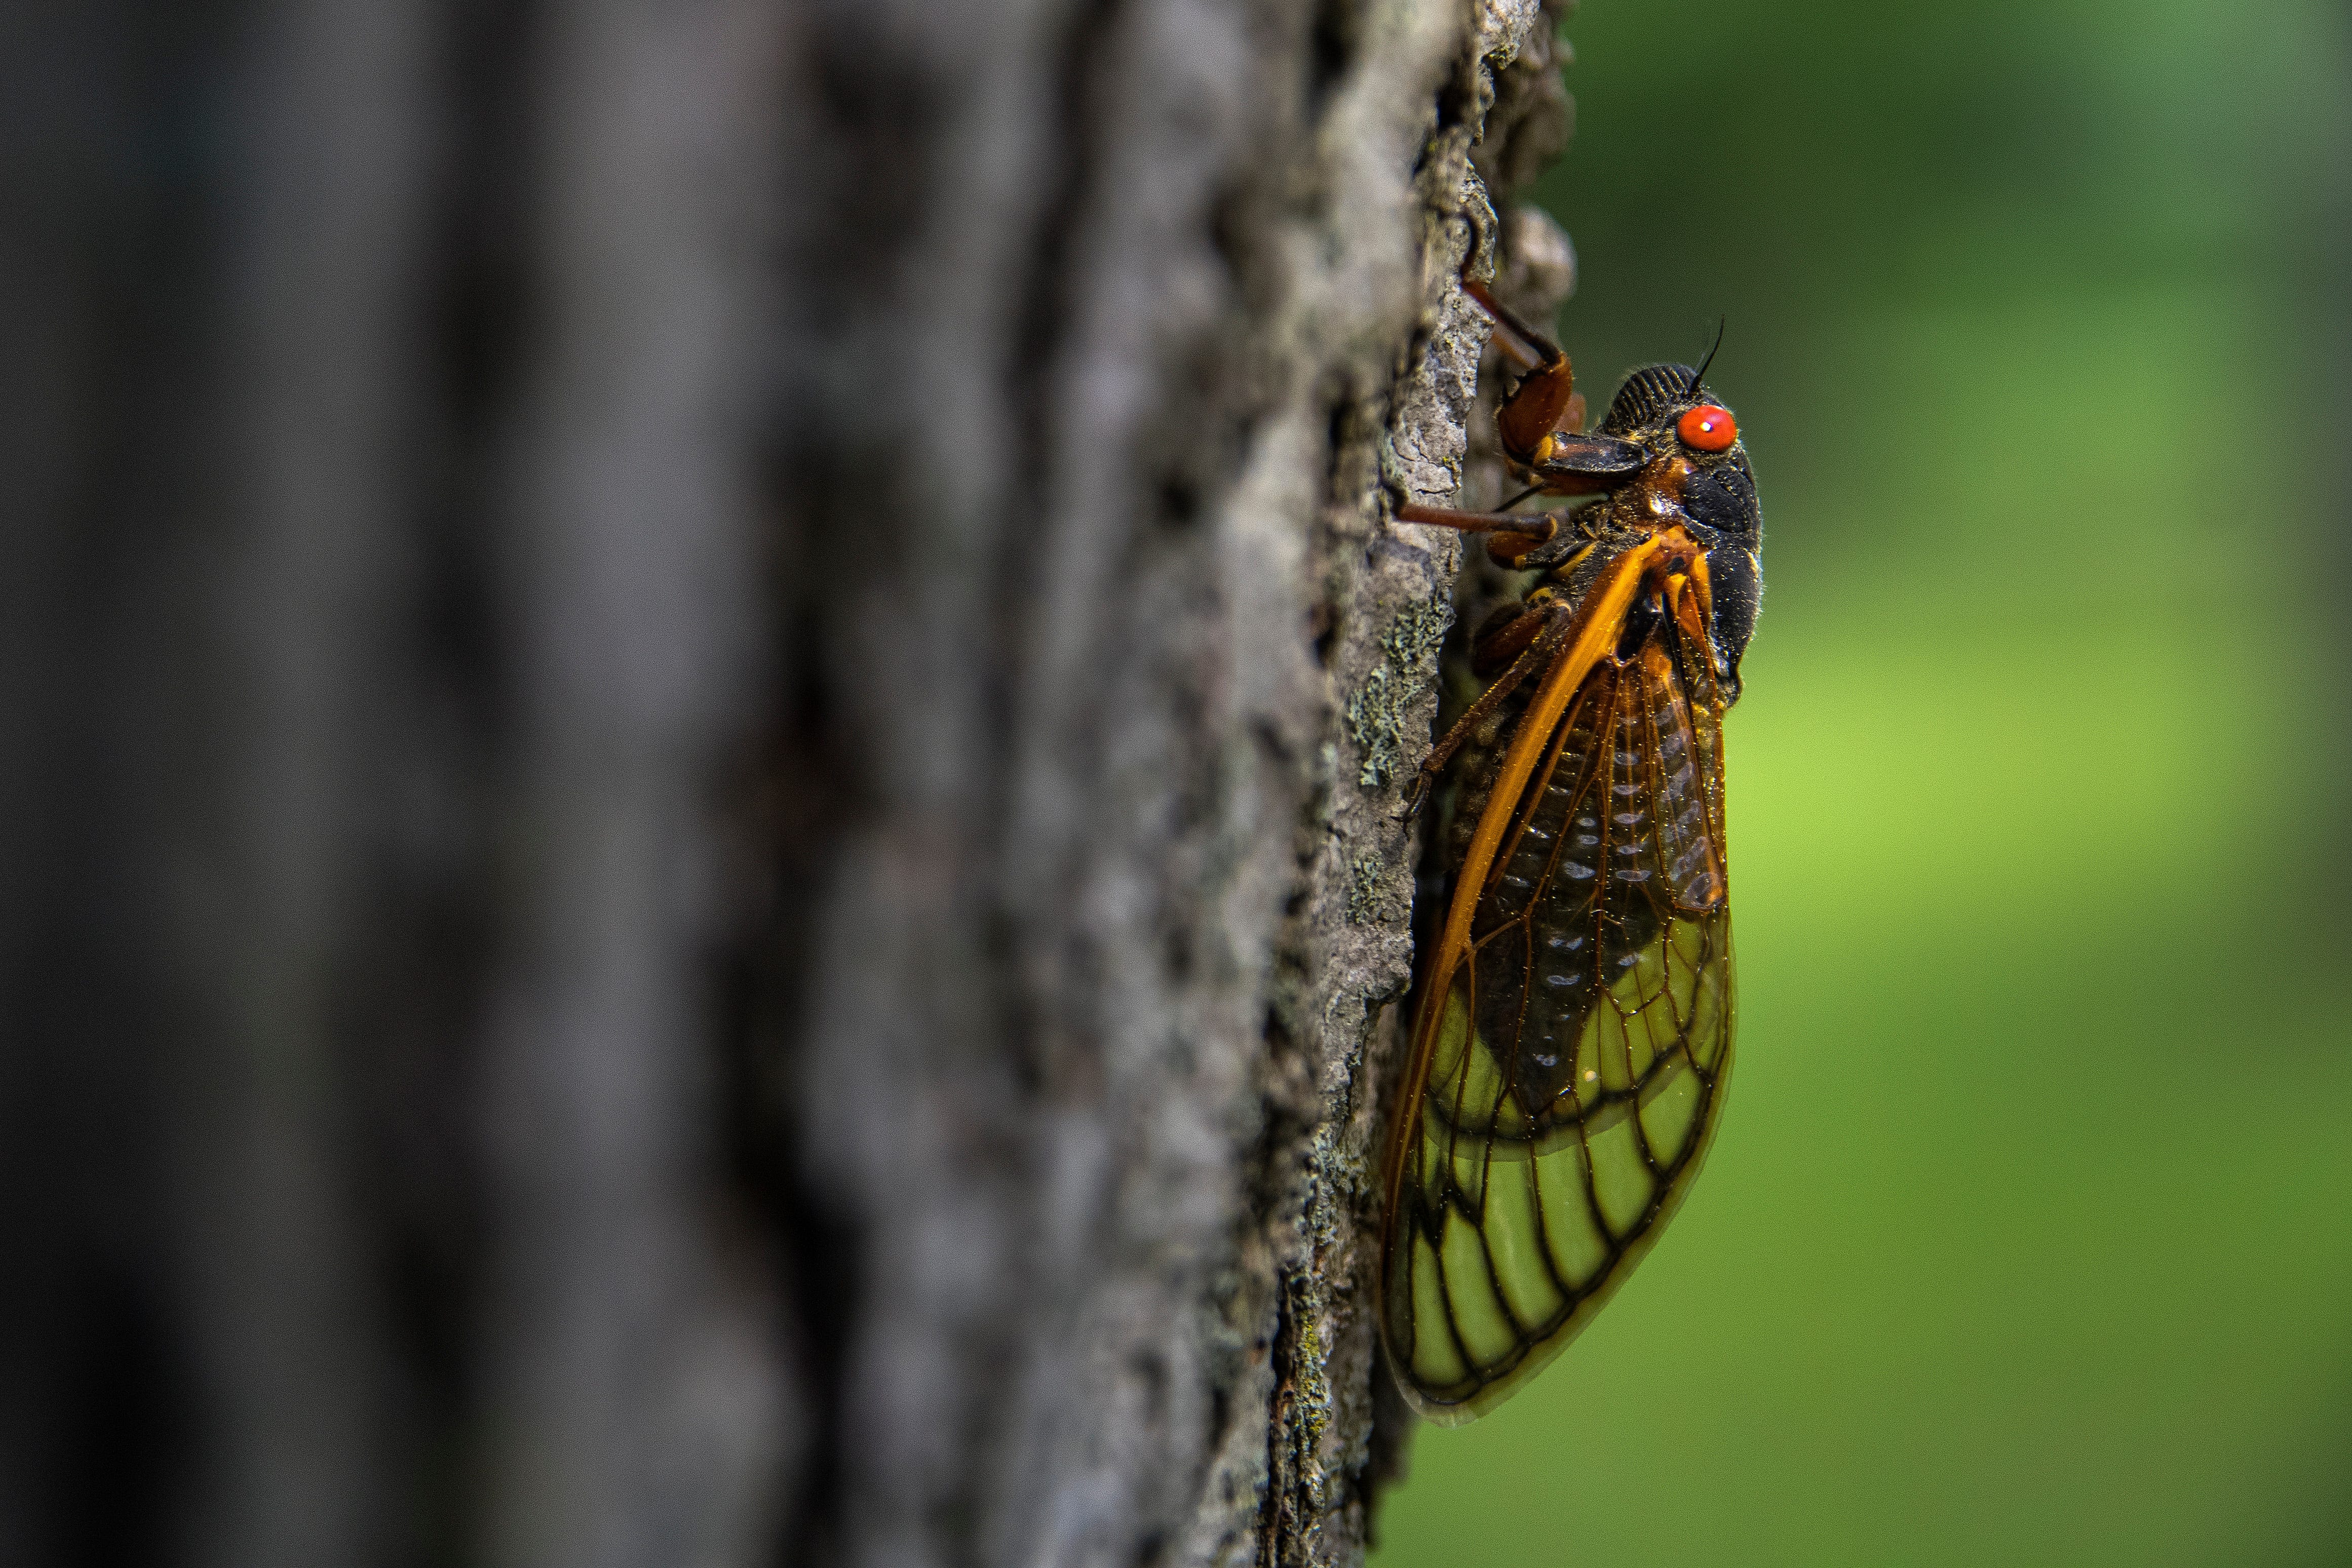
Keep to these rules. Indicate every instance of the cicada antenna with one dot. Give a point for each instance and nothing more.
(1700, 374)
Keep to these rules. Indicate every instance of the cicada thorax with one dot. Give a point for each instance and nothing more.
(1711, 493)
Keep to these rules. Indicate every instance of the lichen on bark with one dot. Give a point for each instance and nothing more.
(1336, 1439)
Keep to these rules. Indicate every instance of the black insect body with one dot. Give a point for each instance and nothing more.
(1574, 1017)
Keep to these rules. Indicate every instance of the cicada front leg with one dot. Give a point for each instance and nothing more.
(1540, 425)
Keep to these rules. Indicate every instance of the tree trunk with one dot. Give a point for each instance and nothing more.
(707, 713)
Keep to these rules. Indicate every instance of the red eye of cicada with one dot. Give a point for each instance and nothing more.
(1707, 428)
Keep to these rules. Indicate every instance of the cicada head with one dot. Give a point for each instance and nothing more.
(1697, 475)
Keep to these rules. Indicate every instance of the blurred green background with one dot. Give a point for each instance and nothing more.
(2027, 1237)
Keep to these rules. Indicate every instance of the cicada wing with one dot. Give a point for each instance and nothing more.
(1571, 1057)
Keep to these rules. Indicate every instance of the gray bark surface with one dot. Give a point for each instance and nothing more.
(706, 708)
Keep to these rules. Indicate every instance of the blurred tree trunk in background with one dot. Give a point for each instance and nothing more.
(706, 704)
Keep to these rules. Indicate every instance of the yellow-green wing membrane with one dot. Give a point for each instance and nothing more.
(1577, 1048)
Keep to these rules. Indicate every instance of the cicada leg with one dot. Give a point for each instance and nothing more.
(1545, 400)
(1539, 424)
(1509, 535)
(1528, 639)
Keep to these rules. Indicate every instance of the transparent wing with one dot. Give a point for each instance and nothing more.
(1577, 1046)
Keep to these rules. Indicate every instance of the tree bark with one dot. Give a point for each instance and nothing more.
(708, 706)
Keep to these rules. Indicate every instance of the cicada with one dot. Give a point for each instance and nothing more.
(1571, 1036)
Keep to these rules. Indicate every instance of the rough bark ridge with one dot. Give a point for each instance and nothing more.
(1113, 881)
(706, 707)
